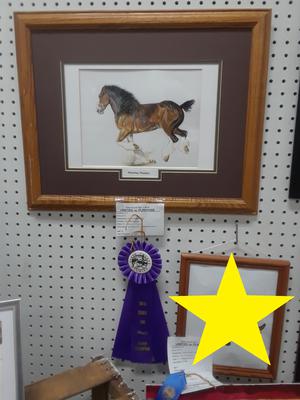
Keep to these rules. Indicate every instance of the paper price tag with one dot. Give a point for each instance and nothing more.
(181, 353)
(129, 218)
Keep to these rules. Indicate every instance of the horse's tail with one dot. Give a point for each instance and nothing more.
(187, 105)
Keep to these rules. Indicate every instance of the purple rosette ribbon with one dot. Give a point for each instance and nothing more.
(142, 332)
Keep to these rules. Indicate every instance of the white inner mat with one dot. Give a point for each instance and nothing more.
(205, 280)
(91, 138)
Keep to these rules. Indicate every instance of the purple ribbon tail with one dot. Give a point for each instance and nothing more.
(142, 332)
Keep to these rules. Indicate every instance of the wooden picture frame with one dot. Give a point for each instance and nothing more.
(273, 280)
(294, 191)
(297, 368)
(237, 40)
(99, 376)
(11, 380)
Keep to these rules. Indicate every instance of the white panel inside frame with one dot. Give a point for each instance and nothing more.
(92, 138)
(205, 280)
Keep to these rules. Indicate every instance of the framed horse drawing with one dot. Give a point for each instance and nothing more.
(105, 122)
(137, 132)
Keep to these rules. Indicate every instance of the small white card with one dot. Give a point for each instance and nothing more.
(181, 353)
(140, 173)
(131, 217)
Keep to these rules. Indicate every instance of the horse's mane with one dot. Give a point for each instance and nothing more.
(126, 101)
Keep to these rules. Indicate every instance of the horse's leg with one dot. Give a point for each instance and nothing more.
(168, 150)
(183, 133)
(167, 127)
(177, 122)
(170, 123)
(186, 147)
(128, 144)
(180, 132)
(123, 135)
(130, 138)
(131, 141)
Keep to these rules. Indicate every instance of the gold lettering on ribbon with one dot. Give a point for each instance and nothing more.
(143, 343)
(142, 348)
(143, 333)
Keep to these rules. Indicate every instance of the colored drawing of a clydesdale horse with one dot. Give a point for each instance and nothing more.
(132, 117)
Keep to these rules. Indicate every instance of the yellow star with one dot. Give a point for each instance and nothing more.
(232, 315)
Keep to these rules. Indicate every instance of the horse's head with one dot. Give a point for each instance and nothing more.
(103, 100)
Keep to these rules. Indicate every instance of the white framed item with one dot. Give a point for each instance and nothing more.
(86, 130)
(11, 382)
(201, 274)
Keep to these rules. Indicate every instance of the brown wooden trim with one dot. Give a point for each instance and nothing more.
(28, 107)
(101, 392)
(257, 20)
(245, 372)
(69, 383)
(59, 202)
(282, 266)
(138, 20)
(99, 376)
(255, 114)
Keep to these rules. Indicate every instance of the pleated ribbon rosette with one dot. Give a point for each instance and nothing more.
(142, 332)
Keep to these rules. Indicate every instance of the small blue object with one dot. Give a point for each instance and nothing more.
(172, 387)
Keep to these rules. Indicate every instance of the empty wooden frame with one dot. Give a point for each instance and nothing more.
(201, 274)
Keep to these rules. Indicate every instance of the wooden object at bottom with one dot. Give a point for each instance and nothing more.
(98, 376)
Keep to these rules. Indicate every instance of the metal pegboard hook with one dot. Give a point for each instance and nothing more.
(236, 233)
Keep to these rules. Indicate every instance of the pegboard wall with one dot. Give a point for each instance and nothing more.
(63, 264)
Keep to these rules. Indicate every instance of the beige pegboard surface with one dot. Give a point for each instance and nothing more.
(63, 265)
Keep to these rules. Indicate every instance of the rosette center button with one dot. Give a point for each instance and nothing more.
(140, 262)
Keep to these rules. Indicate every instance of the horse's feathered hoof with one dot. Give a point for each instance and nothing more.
(174, 138)
(186, 149)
